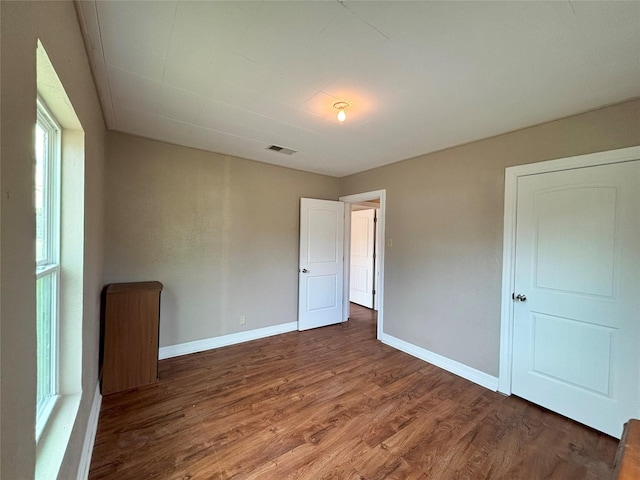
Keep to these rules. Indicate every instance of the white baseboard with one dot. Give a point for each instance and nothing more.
(457, 368)
(90, 435)
(224, 340)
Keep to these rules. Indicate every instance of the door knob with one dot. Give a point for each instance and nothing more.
(304, 270)
(520, 297)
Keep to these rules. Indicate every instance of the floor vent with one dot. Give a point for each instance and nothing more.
(279, 149)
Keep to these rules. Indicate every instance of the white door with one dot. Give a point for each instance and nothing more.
(321, 272)
(576, 340)
(362, 274)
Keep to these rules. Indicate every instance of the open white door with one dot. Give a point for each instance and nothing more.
(576, 332)
(361, 280)
(321, 269)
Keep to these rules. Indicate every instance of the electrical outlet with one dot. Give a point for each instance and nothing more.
(243, 320)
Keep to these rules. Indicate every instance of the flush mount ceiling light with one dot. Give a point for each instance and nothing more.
(341, 107)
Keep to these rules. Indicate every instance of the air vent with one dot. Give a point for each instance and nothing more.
(279, 149)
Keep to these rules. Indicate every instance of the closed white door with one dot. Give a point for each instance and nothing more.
(361, 273)
(576, 340)
(321, 271)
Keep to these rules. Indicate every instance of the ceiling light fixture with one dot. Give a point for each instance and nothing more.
(341, 107)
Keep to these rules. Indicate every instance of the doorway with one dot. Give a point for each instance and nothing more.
(364, 245)
(375, 199)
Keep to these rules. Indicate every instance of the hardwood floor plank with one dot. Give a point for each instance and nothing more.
(332, 403)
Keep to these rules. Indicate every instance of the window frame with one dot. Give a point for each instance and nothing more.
(52, 182)
(49, 265)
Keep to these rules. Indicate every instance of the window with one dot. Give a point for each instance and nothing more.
(47, 203)
(59, 145)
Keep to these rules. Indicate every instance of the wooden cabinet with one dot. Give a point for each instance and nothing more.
(130, 341)
(628, 456)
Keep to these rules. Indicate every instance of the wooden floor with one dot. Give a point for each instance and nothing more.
(333, 403)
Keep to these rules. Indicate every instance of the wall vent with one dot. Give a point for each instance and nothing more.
(279, 149)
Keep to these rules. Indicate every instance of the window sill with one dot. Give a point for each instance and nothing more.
(55, 437)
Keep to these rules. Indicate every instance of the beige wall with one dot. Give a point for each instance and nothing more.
(221, 234)
(445, 217)
(55, 24)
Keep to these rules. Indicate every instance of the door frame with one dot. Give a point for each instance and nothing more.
(509, 240)
(359, 198)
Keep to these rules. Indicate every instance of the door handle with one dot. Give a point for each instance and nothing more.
(520, 297)
(304, 270)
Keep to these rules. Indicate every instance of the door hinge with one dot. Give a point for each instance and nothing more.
(373, 292)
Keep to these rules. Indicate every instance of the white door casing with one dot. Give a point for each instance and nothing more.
(321, 263)
(362, 274)
(572, 248)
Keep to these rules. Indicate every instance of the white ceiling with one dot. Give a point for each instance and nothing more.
(235, 77)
